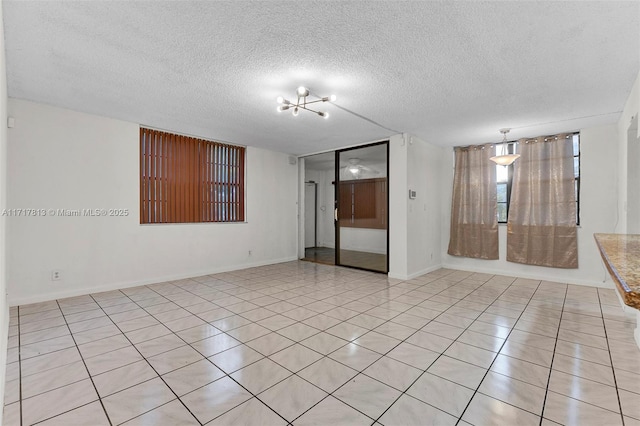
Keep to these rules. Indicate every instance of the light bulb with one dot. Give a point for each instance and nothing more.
(325, 115)
(279, 109)
(354, 170)
(332, 98)
(280, 100)
(302, 91)
(295, 112)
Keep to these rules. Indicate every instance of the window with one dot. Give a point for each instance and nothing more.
(504, 177)
(186, 180)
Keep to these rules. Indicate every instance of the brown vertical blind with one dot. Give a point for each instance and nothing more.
(186, 180)
(363, 203)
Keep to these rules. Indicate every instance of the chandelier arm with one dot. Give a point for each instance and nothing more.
(308, 109)
(316, 101)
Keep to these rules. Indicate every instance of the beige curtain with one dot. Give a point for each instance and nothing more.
(474, 220)
(541, 228)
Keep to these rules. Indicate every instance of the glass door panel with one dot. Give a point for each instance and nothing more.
(362, 207)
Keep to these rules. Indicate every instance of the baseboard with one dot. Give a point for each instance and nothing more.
(424, 271)
(18, 301)
(415, 274)
(588, 283)
(397, 276)
(127, 284)
(364, 249)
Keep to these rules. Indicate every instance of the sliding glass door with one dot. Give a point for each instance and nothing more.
(362, 207)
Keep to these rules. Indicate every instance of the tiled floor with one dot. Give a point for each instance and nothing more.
(307, 344)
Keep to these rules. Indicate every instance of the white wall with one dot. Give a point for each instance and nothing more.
(424, 212)
(598, 213)
(629, 115)
(414, 225)
(65, 159)
(632, 207)
(4, 310)
(398, 207)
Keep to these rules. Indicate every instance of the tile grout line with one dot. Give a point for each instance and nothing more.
(297, 322)
(169, 300)
(148, 363)
(455, 340)
(385, 354)
(382, 355)
(553, 356)
(292, 289)
(498, 353)
(190, 345)
(327, 356)
(452, 305)
(85, 366)
(175, 333)
(615, 381)
(361, 372)
(116, 324)
(585, 378)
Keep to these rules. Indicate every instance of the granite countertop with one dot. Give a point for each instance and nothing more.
(621, 255)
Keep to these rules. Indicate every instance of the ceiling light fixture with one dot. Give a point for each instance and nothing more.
(504, 159)
(302, 102)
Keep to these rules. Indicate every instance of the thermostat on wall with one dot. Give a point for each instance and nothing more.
(412, 194)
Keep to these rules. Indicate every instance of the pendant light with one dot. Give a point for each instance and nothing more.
(504, 159)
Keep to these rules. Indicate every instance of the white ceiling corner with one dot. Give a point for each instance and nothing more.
(452, 73)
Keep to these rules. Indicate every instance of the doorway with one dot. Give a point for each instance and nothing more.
(362, 207)
(346, 212)
(319, 228)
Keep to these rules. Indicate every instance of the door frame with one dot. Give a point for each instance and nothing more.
(337, 198)
(315, 212)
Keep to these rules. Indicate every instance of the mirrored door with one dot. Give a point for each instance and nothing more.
(362, 207)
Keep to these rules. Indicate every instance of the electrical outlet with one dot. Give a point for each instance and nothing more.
(56, 275)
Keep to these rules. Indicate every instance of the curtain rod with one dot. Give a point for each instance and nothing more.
(550, 138)
(491, 144)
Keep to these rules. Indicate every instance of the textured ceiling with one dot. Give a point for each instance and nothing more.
(452, 73)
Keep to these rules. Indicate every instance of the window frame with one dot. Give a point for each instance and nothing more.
(577, 179)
